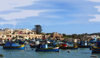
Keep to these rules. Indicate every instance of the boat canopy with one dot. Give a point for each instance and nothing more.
(11, 44)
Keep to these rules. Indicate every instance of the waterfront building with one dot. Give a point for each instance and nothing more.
(19, 33)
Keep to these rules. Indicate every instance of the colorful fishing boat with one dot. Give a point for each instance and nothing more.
(13, 46)
(83, 44)
(65, 46)
(96, 47)
(70, 47)
(47, 50)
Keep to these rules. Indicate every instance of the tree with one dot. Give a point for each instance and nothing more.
(38, 29)
(64, 35)
(74, 35)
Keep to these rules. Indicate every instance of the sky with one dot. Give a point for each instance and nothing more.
(62, 16)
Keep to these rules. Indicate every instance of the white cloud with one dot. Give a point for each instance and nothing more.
(21, 15)
(96, 19)
(8, 22)
(6, 5)
(94, 0)
(97, 16)
(98, 8)
(9, 5)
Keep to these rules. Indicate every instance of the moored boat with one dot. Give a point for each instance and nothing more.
(47, 50)
(84, 44)
(96, 47)
(68, 48)
(13, 46)
(34, 44)
(65, 46)
(2, 44)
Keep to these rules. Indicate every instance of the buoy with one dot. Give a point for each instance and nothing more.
(1, 55)
(93, 56)
(68, 51)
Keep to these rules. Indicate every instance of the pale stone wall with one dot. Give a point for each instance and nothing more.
(25, 33)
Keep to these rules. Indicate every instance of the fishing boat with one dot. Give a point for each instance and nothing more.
(65, 46)
(45, 48)
(83, 44)
(2, 44)
(34, 44)
(68, 48)
(95, 49)
(9, 45)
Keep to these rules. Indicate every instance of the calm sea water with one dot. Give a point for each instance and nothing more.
(29, 53)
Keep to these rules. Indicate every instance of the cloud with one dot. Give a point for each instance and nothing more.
(15, 10)
(24, 9)
(6, 5)
(18, 13)
(98, 8)
(94, 0)
(21, 15)
(96, 16)
(96, 19)
(8, 22)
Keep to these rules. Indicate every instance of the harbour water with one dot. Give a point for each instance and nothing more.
(29, 53)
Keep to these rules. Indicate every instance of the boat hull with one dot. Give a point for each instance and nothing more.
(84, 46)
(95, 50)
(68, 48)
(47, 50)
(2, 44)
(22, 47)
(33, 46)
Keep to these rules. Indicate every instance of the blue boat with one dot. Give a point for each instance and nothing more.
(44, 48)
(47, 50)
(9, 45)
(83, 44)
